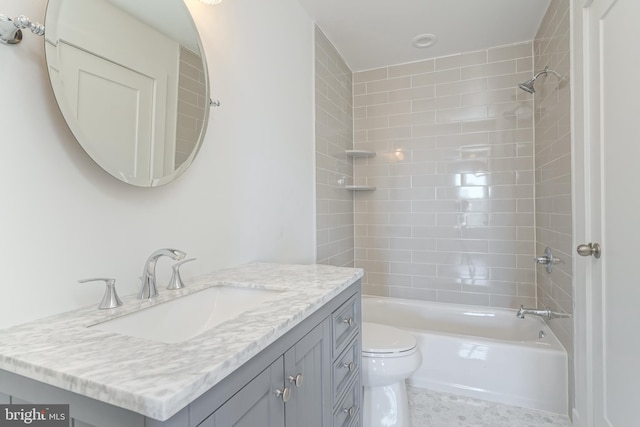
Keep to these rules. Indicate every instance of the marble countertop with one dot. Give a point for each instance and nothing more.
(157, 379)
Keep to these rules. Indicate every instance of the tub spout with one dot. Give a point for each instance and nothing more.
(546, 313)
(521, 312)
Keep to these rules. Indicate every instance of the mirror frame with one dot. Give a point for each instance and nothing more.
(73, 126)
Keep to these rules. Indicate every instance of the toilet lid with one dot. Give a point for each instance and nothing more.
(377, 338)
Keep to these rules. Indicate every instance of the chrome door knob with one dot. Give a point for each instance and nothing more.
(589, 249)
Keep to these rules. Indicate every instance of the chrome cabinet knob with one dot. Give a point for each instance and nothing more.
(589, 249)
(348, 321)
(296, 380)
(350, 411)
(350, 366)
(284, 394)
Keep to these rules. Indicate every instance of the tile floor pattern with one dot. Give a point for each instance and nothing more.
(432, 409)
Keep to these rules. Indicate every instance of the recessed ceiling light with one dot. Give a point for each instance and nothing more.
(423, 40)
(211, 1)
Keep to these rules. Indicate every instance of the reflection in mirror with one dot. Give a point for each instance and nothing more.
(130, 78)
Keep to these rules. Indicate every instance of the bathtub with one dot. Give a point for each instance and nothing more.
(480, 352)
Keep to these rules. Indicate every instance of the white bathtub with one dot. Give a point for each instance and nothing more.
(480, 352)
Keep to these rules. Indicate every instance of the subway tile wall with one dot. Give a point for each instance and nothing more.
(452, 218)
(334, 170)
(553, 168)
(191, 104)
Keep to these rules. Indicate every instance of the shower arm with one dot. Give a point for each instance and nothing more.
(546, 71)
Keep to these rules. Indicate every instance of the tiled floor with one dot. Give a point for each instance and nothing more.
(433, 409)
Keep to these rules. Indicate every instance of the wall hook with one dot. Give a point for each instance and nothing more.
(11, 30)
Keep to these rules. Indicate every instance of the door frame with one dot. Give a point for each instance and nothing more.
(581, 159)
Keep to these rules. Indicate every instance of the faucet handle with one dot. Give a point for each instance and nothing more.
(176, 280)
(110, 298)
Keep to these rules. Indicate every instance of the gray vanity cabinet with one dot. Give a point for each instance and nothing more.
(324, 349)
(297, 377)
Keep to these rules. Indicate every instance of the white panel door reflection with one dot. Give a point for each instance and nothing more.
(120, 125)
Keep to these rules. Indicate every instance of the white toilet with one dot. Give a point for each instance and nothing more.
(389, 356)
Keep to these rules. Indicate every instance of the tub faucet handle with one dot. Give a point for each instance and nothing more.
(548, 260)
(110, 298)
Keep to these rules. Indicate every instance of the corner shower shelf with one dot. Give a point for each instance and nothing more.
(359, 188)
(360, 153)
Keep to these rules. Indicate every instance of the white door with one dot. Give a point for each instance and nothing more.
(612, 100)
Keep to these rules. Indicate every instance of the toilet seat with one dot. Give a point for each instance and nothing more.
(385, 341)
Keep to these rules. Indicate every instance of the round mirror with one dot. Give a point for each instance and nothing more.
(130, 78)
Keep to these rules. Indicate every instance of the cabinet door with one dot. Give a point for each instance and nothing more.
(309, 358)
(256, 404)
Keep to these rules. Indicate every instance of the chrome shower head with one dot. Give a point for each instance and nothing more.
(528, 85)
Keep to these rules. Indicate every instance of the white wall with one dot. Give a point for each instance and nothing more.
(248, 196)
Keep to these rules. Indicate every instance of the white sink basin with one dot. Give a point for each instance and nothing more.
(185, 317)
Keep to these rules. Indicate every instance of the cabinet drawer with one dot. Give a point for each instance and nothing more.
(348, 410)
(345, 368)
(346, 323)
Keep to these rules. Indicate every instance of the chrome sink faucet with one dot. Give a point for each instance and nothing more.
(148, 288)
(546, 313)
